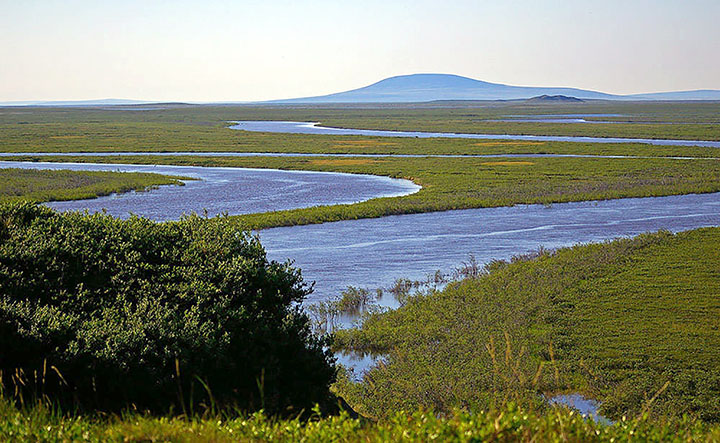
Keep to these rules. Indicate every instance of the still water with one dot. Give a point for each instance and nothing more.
(231, 190)
(313, 128)
(373, 253)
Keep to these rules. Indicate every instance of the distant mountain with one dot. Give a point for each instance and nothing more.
(699, 94)
(554, 99)
(443, 87)
(431, 87)
(99, 102)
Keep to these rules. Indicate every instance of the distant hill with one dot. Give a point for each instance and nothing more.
(554, 99)
(99, 102)
(432, 87)
(448, 87)
(699, 94)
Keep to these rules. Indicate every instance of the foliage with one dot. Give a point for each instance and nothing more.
(632, 323)
(49, 185)
(97, 312)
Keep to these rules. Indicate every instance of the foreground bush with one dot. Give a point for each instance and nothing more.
(97, 312)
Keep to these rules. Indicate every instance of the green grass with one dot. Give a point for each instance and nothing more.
(49, 185)
(204, 128)
(692, 121)
(508, 423)
(461, 183)
(632, 323)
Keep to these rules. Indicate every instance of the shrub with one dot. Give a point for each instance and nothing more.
(98, 312)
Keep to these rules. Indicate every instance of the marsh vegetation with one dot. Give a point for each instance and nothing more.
(45, 185)
(184, 330)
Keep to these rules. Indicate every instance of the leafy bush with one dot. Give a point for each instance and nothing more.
(103, 313)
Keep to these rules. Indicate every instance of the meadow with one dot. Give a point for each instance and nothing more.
(48, 185)
(632, 323)
(204, 128)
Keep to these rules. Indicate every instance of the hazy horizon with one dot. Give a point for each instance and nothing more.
(250, 50)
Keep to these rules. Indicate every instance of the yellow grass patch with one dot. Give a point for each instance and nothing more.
(344, 161)
(508, 143)
(66, 136)
(365, 143)
(507, 163)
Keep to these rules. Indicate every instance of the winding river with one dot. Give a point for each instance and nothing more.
(232, 190)
(373, 253)
(314, 128)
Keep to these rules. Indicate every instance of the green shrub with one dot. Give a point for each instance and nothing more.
(97, 312)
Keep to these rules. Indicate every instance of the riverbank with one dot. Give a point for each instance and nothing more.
(204, 128)
(631, 323)
(462, 183)
(46, 185)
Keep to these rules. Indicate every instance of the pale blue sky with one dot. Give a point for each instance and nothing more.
(253, 50)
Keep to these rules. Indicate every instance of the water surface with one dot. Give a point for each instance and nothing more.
(374, 253)
(231, 190)
(313, 128)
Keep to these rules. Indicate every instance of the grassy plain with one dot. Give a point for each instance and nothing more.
(47, 185)
(632, 323)
(694, 121)
(461, 183)
(204, 128)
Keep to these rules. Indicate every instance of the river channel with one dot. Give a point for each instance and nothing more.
(314, 128)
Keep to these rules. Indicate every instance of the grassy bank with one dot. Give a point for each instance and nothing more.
(46, 185)
(632, 323)
(461, 183)
(504, 424)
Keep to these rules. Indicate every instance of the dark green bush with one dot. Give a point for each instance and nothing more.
(103, 313)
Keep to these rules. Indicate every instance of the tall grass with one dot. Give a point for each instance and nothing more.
(618, 321)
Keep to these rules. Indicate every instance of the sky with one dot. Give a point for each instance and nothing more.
(244, 50)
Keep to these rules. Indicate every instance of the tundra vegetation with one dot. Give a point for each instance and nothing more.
(116, 330)
(49, 185)
(632, 323)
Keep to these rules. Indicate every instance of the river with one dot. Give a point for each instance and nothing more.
(314, 128)
(373, 253)
(232, 190)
